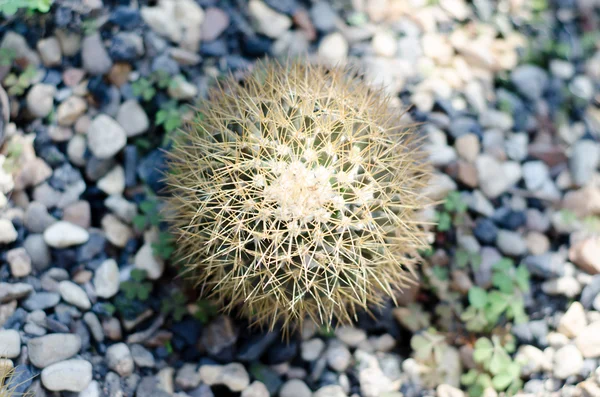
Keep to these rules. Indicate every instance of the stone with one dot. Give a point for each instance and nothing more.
(295, 388)
(385, 44)
(8, 233)
(445, 390)
(179, 21)
(119, 359)
(333, 49)
(530, 80)
(49, 349)
(181, 89)
(187, 377)
(583, 161)
(70, 375)
(122, 208)
(78, 213)
(535, 174)
(256, 389)
(132, 117)
(37, 250)
(323, 16)
(146, 260)
(586, 255)
(268, 21)
(510, 243)
(19, 262)
(94, 57)
(215, 23)
(588, 340)
(60, 134)
(50, 51)
(330, 391)
(70, 110)
(17, 43)
(117, 233)
(12, 291)
(566, 285)
(65, 234)
(143, 358)
(311, 349)
(534, 360)
(573, 321)
(568, 361)
(32, 173)
(10, 343)
(467, 147)
(74, 294)
(351, 336)
(76, 150)
(495, 177)
(105, 137)
(233, 375)
(338, 356)
(40, 99)
(106, 279)
(94, 325)
(113, 183)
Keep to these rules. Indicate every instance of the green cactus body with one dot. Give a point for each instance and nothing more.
(296, 195)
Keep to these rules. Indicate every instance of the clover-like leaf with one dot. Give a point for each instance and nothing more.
(478, 297)
(484, 349)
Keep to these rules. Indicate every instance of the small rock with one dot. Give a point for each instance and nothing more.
(445, 390)
(65, 234)
(19, 262)
(8, 233)
(74, 294)
(71, 375)
(113, 183)
(567, 362)
(566, 285)
(530, 81)
(132, 118)
(333, 49)
(105, 137)
(70, 110)
(330, 391)
(78, 213)
(180, 88)
(564, 70)
(584, 160)
(573, 321)
(492, 175)
(535, 174)
(385, 44)
(233, 375)
(535, 360)
(351, 336)
(10, 343)
(10, 292)
(510, 243)
(119, 359)
(146, 260)
(312, 349)
(116, 231)
(187, 377)
(268, 22)
(106, 279)
(588, 340)
(323, 16)
(70, 42)
(586, 255)
(122, 208)
(467, 146)
(338, 356)
(50, 51)
(17, 43)
(256, 389)
(93, 323)
(215, 23)
(40, 99)
(49, 349)
(95, 58)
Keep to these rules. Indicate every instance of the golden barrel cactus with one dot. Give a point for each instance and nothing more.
(295, 195)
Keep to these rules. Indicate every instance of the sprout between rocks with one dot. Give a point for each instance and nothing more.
(295, 195)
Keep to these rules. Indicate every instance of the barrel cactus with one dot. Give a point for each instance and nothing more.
(296, 194)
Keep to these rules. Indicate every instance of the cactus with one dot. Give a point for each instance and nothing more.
(295, 195)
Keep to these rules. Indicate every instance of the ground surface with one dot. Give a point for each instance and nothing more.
(508, 94)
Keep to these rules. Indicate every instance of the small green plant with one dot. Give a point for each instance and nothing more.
(495, 369)
(463, 258)
(150, 213)
(413, 317)
(433, 353)
(89, 26)
(205, 311)
(10, 7)
(164, 247)
(7, 56)
(174, 306)
(137, 288)
(18, 84)
(452, 212)
(169, 116)
(13, 154)
(143, 88)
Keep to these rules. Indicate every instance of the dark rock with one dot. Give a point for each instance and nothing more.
(154, 44)
(215, 48)
(152, 170)
(99, 90)
(254, 347)
(149, 387)
(219, 334)
(256, 46)
(122, 49)
(547, 265)
(510, 219)
(96, 168)
(16, 320)
(201, 391)
(131, 160)
(52, 156)
(267, 376)
(125, 17)
(62, 16)
(64, 176)
(20, 380)
(282, 351)
(52, 77)
(485, 231)
(189, 330)
(166, 64)
(65, 258)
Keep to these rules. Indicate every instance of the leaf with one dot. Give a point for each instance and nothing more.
(499, 362)
(147, 207)
(441, 273)
(461, 258)
(522, 278)
(504, 264)
(478, 297)
(469, 378)
(444, 221)
(139, 221)
(421, 346)
(503, 282)
(138, 275)
(483, 350)
(144, 291)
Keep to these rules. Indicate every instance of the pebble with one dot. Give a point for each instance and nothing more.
(49, 349)
(12, 291)
(144, 359)
(93, 323)
(146, 260)
(586, 255)
(256, 389)
(333, 49)
(105, 137)
(10, 343)
(567, 286)
(40, 99)
(510, 243)
(8, 233)
(37, 219)
(445, 390)
(311, 349)
(74, 294)
(385, 44)
(323, 16)
(132, 117)
(106, 279)
(17, 43)
(41, 301)
(268, 21)
(338, 356)
(530, 80)
(295, 388)
(535, 174)
(187, 377)
(232, 375)
(564, 70)
(568, 361)
(94, 57)
(215, 23)
(70, 110)
(330, 391)
(50, 51)
(534, 360)
(573, 321)
(583, 161)
(467, 147)
(72, 375)
(351, 336)
(65, 234)
(19, 262)
(588, 340)
(180, 88)
(492, 176)
(117, 233)
(78, 213)
(119, 359)
(113, 183)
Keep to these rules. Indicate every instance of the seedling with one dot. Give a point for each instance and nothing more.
(18, 84)
(137, 288)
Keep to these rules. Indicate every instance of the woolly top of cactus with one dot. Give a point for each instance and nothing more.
(295, 195)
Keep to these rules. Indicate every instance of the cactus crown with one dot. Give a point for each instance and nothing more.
(296, 195)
